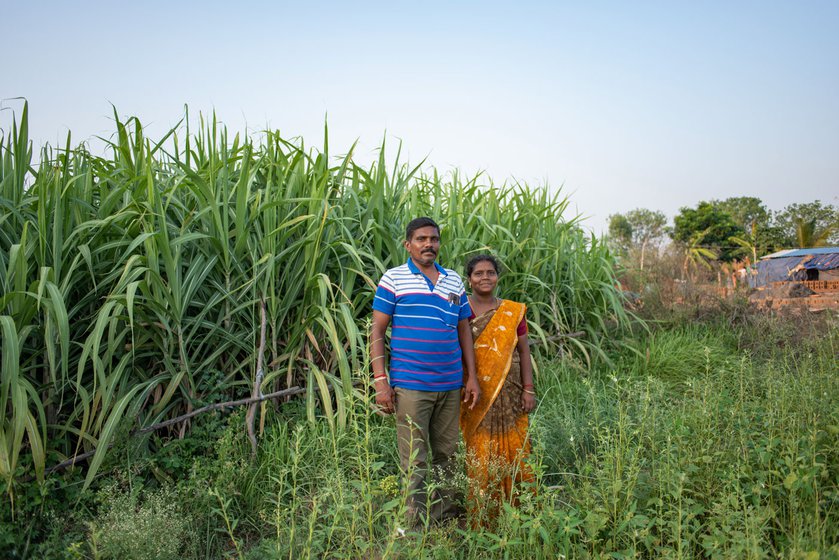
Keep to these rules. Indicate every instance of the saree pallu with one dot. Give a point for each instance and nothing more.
(495, 431)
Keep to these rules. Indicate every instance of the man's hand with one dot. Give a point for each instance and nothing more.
(385, 396)
(471, 392)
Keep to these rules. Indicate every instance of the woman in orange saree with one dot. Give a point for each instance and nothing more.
(495, 430)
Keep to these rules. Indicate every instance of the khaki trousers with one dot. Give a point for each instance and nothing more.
(426, 420)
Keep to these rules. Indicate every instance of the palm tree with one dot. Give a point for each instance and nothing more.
(748, 241)
(807, 235)
(697, 254)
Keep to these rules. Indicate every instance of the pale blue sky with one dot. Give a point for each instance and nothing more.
(623, 104)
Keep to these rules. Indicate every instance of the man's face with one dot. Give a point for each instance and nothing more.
(424, 245)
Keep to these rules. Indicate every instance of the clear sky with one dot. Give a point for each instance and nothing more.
(621, 104)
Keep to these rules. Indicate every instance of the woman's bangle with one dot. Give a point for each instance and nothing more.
(528, 385)
(530, 392)
(382, 376)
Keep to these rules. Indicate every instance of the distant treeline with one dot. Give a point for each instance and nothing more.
(732, 229)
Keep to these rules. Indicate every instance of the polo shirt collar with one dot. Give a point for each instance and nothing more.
(414, 270)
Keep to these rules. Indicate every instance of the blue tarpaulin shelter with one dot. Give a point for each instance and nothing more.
(793, 264)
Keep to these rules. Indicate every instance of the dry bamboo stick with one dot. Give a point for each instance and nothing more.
(257, 382)
(555, 337)
(240, 402)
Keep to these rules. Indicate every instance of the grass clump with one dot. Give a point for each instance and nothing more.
(136, 525)
(679, 354)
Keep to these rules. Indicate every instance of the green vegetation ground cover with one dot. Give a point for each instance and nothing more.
(701, 445)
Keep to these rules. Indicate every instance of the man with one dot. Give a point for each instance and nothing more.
(431, 345)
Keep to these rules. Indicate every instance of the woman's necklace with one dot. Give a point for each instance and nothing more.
(492, 307)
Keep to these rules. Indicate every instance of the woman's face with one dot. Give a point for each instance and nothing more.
(483, 278)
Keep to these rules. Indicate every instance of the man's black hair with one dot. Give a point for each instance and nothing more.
(418, 223)
(473, 262)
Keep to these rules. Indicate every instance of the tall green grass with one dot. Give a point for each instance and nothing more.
(131, 286)
(736, 458)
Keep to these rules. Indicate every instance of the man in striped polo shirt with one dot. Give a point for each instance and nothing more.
(430, 346)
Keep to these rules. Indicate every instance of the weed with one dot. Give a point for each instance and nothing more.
(132, 527)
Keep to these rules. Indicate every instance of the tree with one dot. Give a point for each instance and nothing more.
(748, 242)
(760, 235)
(748, 212)
(620, 232)
(824, 217)
(807, 234)
(640, 228)
(697, 253)
(647, 228)
(707, 227)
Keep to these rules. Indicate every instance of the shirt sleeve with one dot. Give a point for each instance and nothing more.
(465, 308)
(385, 298)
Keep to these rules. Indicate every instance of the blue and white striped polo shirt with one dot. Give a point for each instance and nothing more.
(424, 349)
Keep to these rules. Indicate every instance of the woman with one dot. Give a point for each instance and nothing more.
(495, 430)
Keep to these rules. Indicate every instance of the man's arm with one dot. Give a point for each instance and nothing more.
(384, 392)
(471, 389)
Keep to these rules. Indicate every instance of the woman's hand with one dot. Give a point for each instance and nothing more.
(528, 401)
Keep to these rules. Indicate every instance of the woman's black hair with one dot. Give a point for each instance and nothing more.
(473, 262)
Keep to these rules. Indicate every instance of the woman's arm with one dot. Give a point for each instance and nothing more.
(528, 396)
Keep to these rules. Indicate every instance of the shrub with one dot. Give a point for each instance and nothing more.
(133, 529)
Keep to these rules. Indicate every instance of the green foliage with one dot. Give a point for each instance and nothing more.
(761, 235)
(695, 461)
(707, 227)
(131, 528)
(620, 232)
(732, 455)
(666, 356)
(647, 225)
(640, 229)
(811, 224)
(746, 211)
(735, 228)
(818, 217)
(131, 285)
(807, 234)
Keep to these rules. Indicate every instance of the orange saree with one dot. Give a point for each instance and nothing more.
(495, 431)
